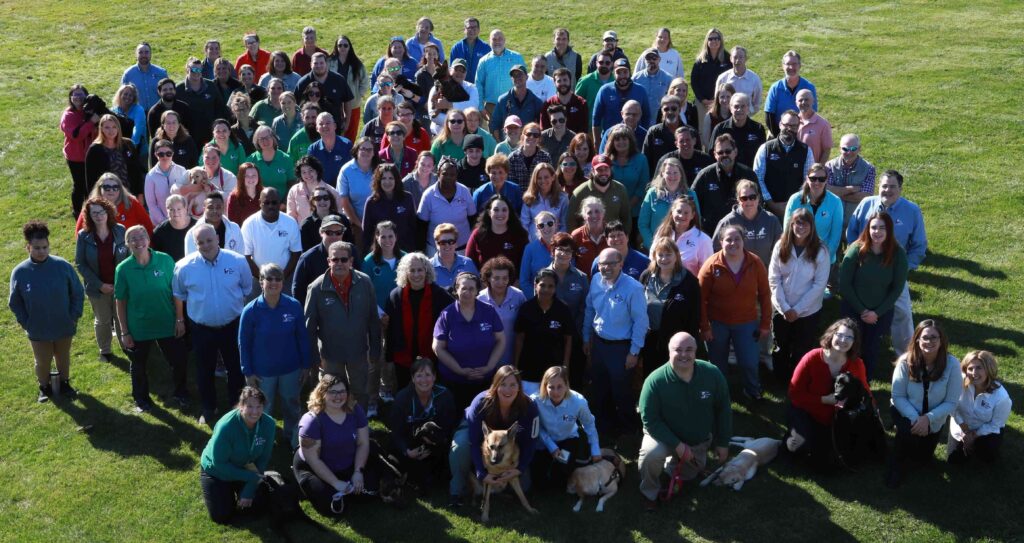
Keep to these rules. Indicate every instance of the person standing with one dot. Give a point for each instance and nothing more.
(47, 300)
(79, 130)
(144, 75)
(100, 248)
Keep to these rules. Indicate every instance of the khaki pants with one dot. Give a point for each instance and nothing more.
(356, 371)
(46, 352)
(656, 458)
(104, 321)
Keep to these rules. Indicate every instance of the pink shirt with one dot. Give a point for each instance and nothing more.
(298, 200)
(817, 134)
(695, 247)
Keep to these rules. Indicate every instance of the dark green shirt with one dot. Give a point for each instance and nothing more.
(870, 284)
(673, 410)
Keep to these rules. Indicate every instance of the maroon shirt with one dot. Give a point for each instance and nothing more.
(509, 244)
(105, 255)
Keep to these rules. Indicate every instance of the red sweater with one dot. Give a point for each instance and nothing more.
(725, 300)
(812, 380)
(586, 250)
(260, 66)
(125, 217)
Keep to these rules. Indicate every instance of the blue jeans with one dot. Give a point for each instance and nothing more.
(460, 462)
(741, 337)
(287, 387)
(611, 378)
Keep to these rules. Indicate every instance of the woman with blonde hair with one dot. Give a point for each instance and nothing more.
(128, 210)
(126, 104)
(712, 60)
(562, 412)
(976, 426)
(111, 152)
(673, 302)
(668, 184)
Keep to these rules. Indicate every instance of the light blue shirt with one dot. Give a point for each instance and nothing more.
(536, 257)
(507, 311)
(215, 291)
(492, 77)
(617, 311)
(779, 98)
(561, 212)
(145, 83)
(412, 45)
(656, 86)
(140, 136)
(559, 422)
(446, 276)
(943, 393)
(355, 184)
(828, 219)
(511, 191)
(436, 209)
(908, 225)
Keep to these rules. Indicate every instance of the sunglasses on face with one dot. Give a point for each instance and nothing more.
(446, 242)
(559, 120)
(165, 154)
(343, 45)
(396, 133)
(714, 38)
(748, 198)
(273, 279)
(334, 233)
(313, 94)
(337, 392)
(338, 259)
(323, 198)
(568, 164)
(110, 188)
(533, 134)
(817, 178)
(670, 109)
(545, 224)
(850, 149)
(456, 121)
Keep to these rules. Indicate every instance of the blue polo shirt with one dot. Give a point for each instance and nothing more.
(780, 98)
(608, 105)
(445, 276)
(634, 265)
(383, 276)
(215, 291)
(469, 342)
(511, 191)
(908, 225)
(146, 83)
(355, 184)
(528, 110)
(656, 86)
(507, 312)
(616, 312)
(332, 160)
(472, 54)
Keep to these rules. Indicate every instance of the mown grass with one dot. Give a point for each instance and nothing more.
(931, 87)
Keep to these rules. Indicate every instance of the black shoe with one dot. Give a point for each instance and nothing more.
(106, 357)
(45, 391)
(182, 401)
(454, 501)
(753, 397)
(143, 407)
(208, 418)
(67, 390)
(893, 478)
(650, 505)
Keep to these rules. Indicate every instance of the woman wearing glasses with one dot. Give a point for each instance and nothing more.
(101, 247)
(301, 204)
(544, 194)
(343, 60)
(449, 141)
(128, 209)
(826, 207)
(537, 254)
(712, 60)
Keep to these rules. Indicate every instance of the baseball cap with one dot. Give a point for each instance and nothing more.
(652, 52)
(600, 159)
(331, 220)
(518, 67)
(621, 63)
(513, 120)
(460, 62)
(610, 35)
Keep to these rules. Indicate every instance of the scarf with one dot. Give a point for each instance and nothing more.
(425, 326)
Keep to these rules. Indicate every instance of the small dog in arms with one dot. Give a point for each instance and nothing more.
(743, 467)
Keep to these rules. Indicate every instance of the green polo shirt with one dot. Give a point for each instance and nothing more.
(278, 173)
(147, 291)
(673, 410)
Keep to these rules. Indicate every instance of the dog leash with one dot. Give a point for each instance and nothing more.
(675, 484)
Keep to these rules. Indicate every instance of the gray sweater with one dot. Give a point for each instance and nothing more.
(761, 233)
(46, 298)
(87, 258)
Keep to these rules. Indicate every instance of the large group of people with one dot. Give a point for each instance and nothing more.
(507, 244)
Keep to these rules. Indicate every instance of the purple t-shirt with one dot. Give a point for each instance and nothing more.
(337, 441)
(470, 342)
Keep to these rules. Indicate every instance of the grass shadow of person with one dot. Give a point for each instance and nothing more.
(945, 282)
(938, 260)
(1002, 342)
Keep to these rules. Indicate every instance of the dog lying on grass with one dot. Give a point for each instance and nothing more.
(500, 455)
(597, 479)
(743, 467)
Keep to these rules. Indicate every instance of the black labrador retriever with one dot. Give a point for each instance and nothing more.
(857, 431)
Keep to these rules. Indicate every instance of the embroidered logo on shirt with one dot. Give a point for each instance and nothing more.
(575, 287)
(718, 272)
(712, 186)
(678, 297)
(376, 270)
(554, 325)
(231, 244)
(774, 156)
(705, 395)
(229, 271)
(282, 234)
(28, 287)
(400, 209)
(615, 198)
(288, 317)
(618, 298)
(259, 441)
(158, 273)
(485, 327)
(328, 300)
(751, 137)
(507, 246)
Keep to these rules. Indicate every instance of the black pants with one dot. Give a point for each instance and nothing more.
(549, 473)
(221, 497)
(654, 353)
(79, 186)
(909, 448)
(792, 341)
(319, 493)
(465, 392)
(986, 448)
(176, 354)
(403, 377)
(817, 445)
(207, 342)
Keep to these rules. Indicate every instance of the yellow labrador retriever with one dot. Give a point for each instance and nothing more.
(743, 467)
(597, 479)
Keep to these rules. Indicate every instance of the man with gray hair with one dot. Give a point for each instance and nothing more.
(343, 322)
(782, 94)
(850, 177)
(742, 79)
(748, 134)
(814, 129)
(302, 59)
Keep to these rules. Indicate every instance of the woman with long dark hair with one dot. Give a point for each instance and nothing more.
(344, 60)
(569, 171)
(171, 129)
(244, 200)
(497, 232)
(388, 202)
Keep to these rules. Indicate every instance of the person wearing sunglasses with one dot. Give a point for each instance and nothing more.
(712, 60)
(343, 60)
(782, 94)
(129, 211)
(826, 207)
(374, 105)
(715, 184)
(652, 78)
(519, 101)
(850, 176)
(660, 138)
(300, 200)
(163, 179)
(781, 163)
(556, 139)
(588, 85)
(398, 51)
(537, 254)
(576, 112)
(343, 319)
(313, 263)
(523, 160)
(446, 262)
(396, 152)
(205, 103)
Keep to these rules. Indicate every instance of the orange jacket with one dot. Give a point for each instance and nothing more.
(725, 300)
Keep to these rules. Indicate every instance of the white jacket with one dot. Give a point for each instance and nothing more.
(986, 414)
(798, 284)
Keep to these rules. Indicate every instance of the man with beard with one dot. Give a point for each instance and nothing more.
(610, 47)
(589, 84)
(781, 164)
(748, 134)
(660, 138)
(611, 193)
(333, 151)
(653, 79)
(782, 94)
(686, 152)
(716, 185)
(333, 87)
(298, 147)
(168, 101)
(576, 112)
(610, 98)
(145, 76)
(204, 100)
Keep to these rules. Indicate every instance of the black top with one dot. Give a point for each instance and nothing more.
(691, 166)
(180, 107)
(473, 177)
(545, 334)
(716, 192)
(408, 414)
(749, 138)
(167, 239)
(704, 75)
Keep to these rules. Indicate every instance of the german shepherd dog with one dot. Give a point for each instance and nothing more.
(500, 454)
(857, 431)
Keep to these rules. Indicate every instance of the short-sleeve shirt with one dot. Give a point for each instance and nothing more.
(337, 441)
(469, 342)
(271, 242)
(277, 173)
(507, 310)
(355, 184)
(436, 209)
(148, 292)
(545, 337)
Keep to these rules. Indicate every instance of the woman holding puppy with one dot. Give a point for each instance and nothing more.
(562, 411)
(812, 390)
(415, 407)
(498, 407)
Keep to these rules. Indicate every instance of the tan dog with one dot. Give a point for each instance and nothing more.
(598, 479)
(743, 467)
(500, 454)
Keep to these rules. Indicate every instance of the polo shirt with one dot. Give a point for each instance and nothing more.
(145, 82)
(908, 225)
(608, 105)
(587, 88)
(147, 290)
(445, 277)
(527, 109)
(656, 86)
(332, 161)
(471, 53)
(436, 209)
(572, 290)
(587, 249)
(633, 266)
(383, 276)
(545, 334)
(278, 173)
(492, 75)
(302, 63)
(355, 184)
(334, 87)
(259, 65)
(469, 342)
(507, 312)
(749, 83)
(509, 244)
(616, 312)
(817, 134)
(214, 290)
(781, 97)
(271, 242)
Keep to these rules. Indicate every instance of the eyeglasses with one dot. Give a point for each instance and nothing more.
(559, 120)
(669, 109)
(568, 164)
(343, 45)
(456, 121)
(196, 69)
(110, 188)
(748, 198)
(396, 133)
(332, 392)
(335, 233)
(715, 38)
(547, 224)
(274, 279)
(446, 242)
(533, 134)
(817, 178)
(394, 68)
(844, 337)
(850, 149)
(366, 149)
(101, 212)
(338, 259)
(312, 94)
(165, 154)
(387, 83)
(324, 198)
(270, 203)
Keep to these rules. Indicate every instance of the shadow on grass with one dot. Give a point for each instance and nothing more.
(946, 282)
(133, 435)
(979, 335)
(937, 260)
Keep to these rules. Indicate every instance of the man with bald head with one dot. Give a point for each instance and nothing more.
(271, 237)
(214, 283)
(685, 410)
(814, 129)
(748, 134)
(614, 326)
(492, 74)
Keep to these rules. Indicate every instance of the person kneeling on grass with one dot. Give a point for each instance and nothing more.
(976, 426)
(235, 458)
(562, 412)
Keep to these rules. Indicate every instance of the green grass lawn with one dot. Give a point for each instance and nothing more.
(931, 87)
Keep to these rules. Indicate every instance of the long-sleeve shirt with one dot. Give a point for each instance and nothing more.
(536, 257)
(828, 219)
(214, 290)
(674, 411)
(617, 311)
(908, 225)
(145, 82)
(734, 298)
(759, 233)
(634, 175)
(985, 413)
(528, 215)
(608, 105)
(870, 284)
(234, 445)
(472, 53)
(159, 185)
(615, 199)
(492, 77)
(943, 393)
(272, 341)
(408, 414)
(46, 298)
(529, 430)
(798, 284)
(761, 165)
(812, 379)
(79, 132)
(749, 83)
(561, 422)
